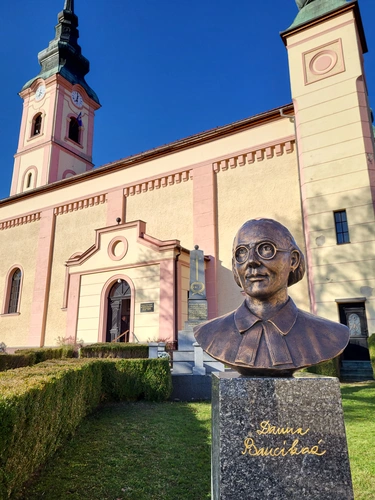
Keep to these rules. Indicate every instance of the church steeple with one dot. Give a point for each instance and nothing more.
(64, 55)
(57, 127)
(69, 5)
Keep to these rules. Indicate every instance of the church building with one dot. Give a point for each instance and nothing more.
(82, 247)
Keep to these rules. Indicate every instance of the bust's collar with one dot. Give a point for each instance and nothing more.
(283, 320)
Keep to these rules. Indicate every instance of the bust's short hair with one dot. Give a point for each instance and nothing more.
(294, 276)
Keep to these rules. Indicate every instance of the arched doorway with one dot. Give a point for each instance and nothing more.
(353, 315)
(119, 301)
(355, 360)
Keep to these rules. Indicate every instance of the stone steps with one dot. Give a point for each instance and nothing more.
(356, 371)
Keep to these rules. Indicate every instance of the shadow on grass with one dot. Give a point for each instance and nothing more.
(358, 400)
(132, 451)
(358, 403)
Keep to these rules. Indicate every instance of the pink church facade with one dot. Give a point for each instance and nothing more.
(114, 241)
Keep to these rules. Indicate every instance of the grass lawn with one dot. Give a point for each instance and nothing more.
(156, 451)
(133, 451)
(359, 410)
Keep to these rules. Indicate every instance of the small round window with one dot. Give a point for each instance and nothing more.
(117, 248)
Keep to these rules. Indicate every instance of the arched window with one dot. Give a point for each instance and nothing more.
(15, 288)
(29, 179)
(37, 124)
(74, 130)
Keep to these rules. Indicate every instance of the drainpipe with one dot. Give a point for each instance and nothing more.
(293, 118)
(176, 292)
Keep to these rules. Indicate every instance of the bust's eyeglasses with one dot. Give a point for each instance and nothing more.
(266, 250)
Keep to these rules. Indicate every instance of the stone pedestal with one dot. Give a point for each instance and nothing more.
(153, 350)
(198, 368)
(188, 357)
(278, 438)
(186, 337)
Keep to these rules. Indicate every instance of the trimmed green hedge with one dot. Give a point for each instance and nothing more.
(371, 346)
(132, 379)
(329, 368)
(46, 353)
(29, 357)
(40, 406)
(123, 350)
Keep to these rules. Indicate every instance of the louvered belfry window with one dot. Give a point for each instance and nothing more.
(37, 124)
(74, 130)
(14, 291)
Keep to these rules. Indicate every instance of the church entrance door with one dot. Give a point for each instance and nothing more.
(119, 300)
(353, 315)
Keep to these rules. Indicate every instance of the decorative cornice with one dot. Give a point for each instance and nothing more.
(79, 205)
(255, 155)
(142, 238)
(162, 151)
(163, 181)
(260, 153)
(20, 221)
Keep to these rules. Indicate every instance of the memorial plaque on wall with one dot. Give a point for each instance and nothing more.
(147, 307)
(198, 310)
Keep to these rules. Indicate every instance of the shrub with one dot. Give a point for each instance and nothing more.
(329, 368)
(124, 350)
(371, 346)
(12, 361)
(40, 406)
(28, 357)
(45, 353)
(134, 379)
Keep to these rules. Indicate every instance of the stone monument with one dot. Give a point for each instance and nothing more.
(197, 292)
(189, 358)
(274, 436)
(197, 301)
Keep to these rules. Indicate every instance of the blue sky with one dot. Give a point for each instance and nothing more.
(163, 69)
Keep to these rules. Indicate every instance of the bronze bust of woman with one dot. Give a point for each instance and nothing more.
(268, 335)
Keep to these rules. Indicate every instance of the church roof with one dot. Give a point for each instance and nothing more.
(166, 149)
(63, 54)
(315, 9)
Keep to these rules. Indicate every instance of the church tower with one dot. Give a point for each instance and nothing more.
(325, 44)
(56, 135)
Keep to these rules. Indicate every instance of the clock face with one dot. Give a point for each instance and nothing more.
(40, 91)
(354, 324)
(77, 99)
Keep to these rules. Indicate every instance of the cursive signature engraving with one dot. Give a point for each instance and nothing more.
(296, 449)
(267, 428)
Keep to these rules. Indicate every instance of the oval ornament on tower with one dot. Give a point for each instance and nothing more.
(323, 62)
(117, 248)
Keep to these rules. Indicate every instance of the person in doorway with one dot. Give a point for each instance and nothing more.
(124, 328)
